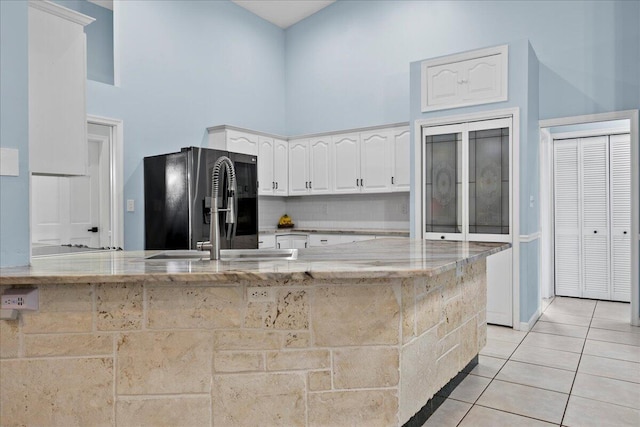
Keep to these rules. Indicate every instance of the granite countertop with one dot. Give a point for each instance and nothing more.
(390, 233)
(378, 258)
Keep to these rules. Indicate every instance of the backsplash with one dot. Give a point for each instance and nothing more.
(388, 211)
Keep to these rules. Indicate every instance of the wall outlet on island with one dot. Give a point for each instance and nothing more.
(258, 294)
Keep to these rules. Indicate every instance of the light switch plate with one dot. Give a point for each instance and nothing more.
(131, 205)
(9, 162)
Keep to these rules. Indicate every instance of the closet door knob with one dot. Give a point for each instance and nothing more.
(595, 231)
(624, 232)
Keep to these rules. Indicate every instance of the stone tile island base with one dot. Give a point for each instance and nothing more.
(366, 352)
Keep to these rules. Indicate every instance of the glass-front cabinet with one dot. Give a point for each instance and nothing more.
(467, 181)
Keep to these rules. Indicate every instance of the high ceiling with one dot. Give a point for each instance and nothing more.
(283, 13)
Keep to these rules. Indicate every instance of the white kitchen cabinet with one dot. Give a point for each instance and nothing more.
(57, 78)
(399, 152)
(228, 139)
(291, 241)
(266, 241)
(273, 166)
(309, 166)
(374, 161)
(469, 78)
(345, 156)
(319, 239)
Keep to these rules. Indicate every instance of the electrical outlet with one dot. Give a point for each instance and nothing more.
(259, 294)
(20, 299)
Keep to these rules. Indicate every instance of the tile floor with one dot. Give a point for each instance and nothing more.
(578, 366)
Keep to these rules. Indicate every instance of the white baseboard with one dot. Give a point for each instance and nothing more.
(526, 326)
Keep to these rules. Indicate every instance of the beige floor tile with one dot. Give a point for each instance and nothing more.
(524, 400)
(612, 350)
(488, 366)
(613, 310)
(470, 388)
(608, 390)
(503, 333)
(537, 376)
(448, 414)
(498, 348)
(583, 412)
(560, 329)
(547, 357)
(480, 416)
(615, 325)
(556, 342)
(572, 306)
(610, 368)
(629, 338)
(567, 319)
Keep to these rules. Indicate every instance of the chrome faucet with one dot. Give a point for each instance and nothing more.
(213, 245)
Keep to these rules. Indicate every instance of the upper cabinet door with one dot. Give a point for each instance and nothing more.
(266, 183)
(281, 167)
(57, 77)
(346, 163)
(298, 167)
(470, 78)
(240, 142)
(320, 165)
(400, 154)
(374, 162)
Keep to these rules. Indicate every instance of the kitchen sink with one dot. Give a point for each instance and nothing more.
(227, 255)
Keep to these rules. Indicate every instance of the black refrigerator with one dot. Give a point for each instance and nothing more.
(177, 199)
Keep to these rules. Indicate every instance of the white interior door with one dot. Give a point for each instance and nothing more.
(66, 210)
(620, 160)
(568, 260)
(595, 217)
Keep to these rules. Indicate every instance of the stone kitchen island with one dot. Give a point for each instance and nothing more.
(356, 334)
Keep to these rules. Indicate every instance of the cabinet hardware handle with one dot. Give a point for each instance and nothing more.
(260, 242)
(273, 185)
(357, 185)
(323, 240)
(93, 229)
(278, 245)
(392, 180)
(305, 244)
(310, 185)
(361, 183)
(306, 184)
(276, 185)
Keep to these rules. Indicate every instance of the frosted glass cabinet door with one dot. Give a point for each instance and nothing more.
(489, 181)
(443, 186)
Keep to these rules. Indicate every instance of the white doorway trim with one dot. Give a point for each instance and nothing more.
(116, 175)
(633, 117)
(514, 113)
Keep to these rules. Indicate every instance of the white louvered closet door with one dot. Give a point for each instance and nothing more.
(595, 217)
(620, 160)
(568, 265)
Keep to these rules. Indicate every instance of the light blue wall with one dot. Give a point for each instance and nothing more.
(347, 66)
(14, 133)
(99, 39)
(187, 65)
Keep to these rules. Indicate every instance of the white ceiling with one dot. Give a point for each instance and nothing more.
(283, 13)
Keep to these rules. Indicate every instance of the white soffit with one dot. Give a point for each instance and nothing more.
(283, 13)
